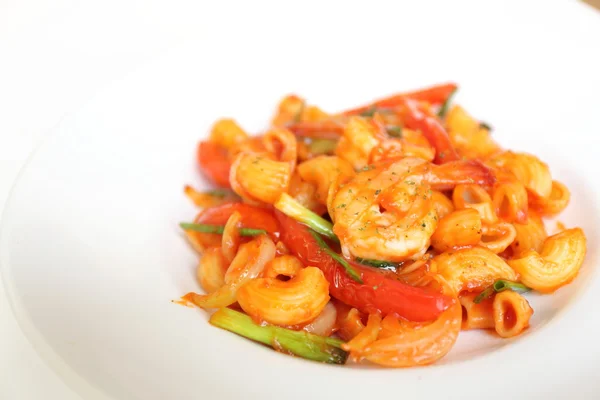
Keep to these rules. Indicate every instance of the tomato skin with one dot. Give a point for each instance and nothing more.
(419, 119)
(433, 95)
(329, 129)
(214, 163)
(377, 293)
(251, 217)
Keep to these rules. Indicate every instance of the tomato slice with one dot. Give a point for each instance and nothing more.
(377, 293)
(418, 119)
(251, 217)
(434, 95)
(214, 163)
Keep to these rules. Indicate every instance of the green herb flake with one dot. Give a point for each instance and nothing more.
(387, 265)
(499, 286)
(445, 107)
(485, 125)
(220, 193)
(369, 112)
(394, 131)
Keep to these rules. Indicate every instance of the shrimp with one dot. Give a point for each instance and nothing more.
(387, 212)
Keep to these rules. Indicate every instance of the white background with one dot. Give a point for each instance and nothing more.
(54, 56)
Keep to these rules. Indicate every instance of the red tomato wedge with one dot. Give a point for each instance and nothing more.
(251, 217)
(377, 293)
(214, 163)
(418, 119)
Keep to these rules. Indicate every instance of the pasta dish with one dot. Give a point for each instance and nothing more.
(376, 234)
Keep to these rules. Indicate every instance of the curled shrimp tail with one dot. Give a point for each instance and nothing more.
(447, 176)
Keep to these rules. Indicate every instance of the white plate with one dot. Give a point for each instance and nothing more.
(92, 256)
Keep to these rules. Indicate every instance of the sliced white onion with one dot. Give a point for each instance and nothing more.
(323, 325)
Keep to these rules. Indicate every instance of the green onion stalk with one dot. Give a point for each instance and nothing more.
(392, 266)
(500, 286)
(322, 146)
(299, 343)
(394, 130)
(446, 106)
(318, 226)
(220, 193)
(218, 229)
(290, 207)
(347, 267)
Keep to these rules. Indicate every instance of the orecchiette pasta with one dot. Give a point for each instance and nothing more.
(458, 229)
(475, 197)
(530, 236)
(476, 315)
(556, 264)
(289, 110)
(313, 114)
(470, 138)
(496, 238)
(256, 177)
(281, 143)
(412, 144)
(441, 203)
(359, 139)
(528, 169)
(305, 193)
(510, 201)
(247, 265)
(557, 201)
(471, 269)
(322, 171)
(511, 313)
(227, 133)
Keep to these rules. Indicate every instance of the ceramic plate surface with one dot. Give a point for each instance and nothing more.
(92, 255)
